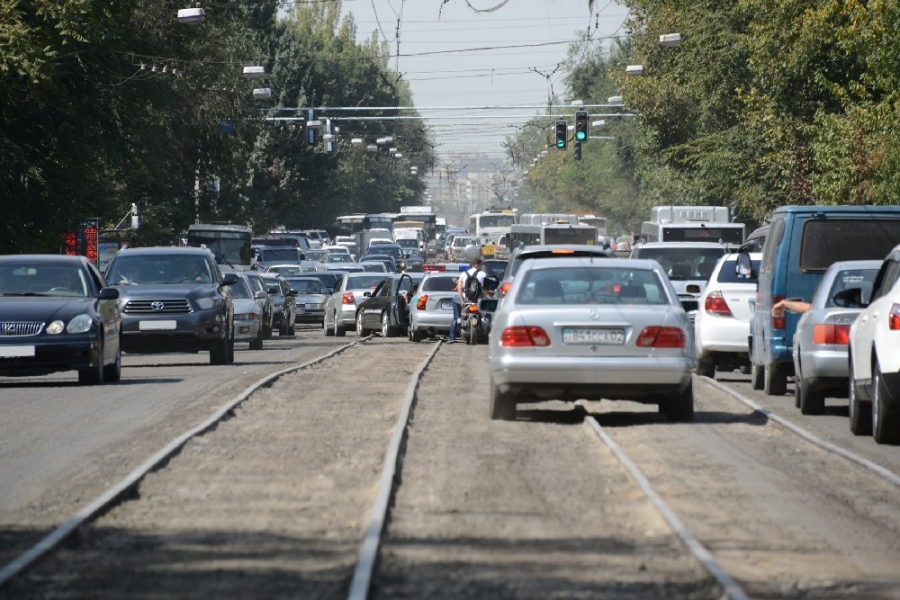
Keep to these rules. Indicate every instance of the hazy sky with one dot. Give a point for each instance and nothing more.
(431, 41)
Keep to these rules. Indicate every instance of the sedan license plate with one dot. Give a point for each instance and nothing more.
(447, 305)
(157, 325)
(16, 351)
(594, 336)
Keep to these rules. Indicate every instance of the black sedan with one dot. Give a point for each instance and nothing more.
(385, 308)
(58, 314)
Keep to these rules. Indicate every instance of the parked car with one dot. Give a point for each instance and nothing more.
(285, 308)
(248, 316)
(821, 365)
(431, 309)
(340, 306)
(310, 298)
(722, 321)
(875, 359)
(385, 308)
(572, 328)
(174, 299)
(266, 304)
(58, 314)
(803, 241)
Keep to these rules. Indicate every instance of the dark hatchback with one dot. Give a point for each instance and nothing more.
(174, 299)
(58, 314)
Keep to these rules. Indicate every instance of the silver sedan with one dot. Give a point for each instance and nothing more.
(821, 342)
(573, 328)
(340, 307)
(431, 309)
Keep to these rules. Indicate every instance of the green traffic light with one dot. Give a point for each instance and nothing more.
(560, 143)
(580, 136)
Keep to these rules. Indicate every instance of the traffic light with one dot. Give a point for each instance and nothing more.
(562, 134)
(581, 126)
(577, 150)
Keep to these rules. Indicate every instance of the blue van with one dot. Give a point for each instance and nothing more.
(803, 241)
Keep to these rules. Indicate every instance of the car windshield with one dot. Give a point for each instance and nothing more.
(140, 269)
(374, 267)
(591, 285)
(274, 284)
(439, 284)
(411, 243)
(339, 258)
(364, 282)
(684, 263)
(241, 290)
(853, 278)
(307, 286)
(43, 280)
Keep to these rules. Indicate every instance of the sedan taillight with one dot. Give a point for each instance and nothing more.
(779, 321)
(830, 334)
(420, 303)
(716, 305)
(661, 337)
(348, 298)
(524, 336)
(894, 318)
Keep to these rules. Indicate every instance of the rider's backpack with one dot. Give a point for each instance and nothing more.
(472, 290)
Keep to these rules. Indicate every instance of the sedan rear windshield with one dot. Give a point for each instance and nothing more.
(439, 284)
(364, 282)
(853, 278)
(729, 272)
(591, 285)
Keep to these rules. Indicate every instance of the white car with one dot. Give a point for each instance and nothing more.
(340, 307)
(875, 358)
(722, 323)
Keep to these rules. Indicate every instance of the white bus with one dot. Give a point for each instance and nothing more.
(553, 234)
(547, 218)
(692, 224)
(598, 222)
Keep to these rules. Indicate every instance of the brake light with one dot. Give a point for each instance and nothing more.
(778, 322)
(504, 288)
(433, 267)
(348, 298)
(420, 303)
(661, 337)
(894, 318)
(716, 305)
(562, 251)
(524, 337)
(831, 334)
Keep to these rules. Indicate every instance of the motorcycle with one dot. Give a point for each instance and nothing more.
(477, 316)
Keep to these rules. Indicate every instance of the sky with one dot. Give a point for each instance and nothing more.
(436, 38)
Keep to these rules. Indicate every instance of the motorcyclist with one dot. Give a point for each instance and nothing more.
(461, 299)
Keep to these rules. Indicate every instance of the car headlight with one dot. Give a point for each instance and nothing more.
(207, 303)
(56, 327)
(80, 324)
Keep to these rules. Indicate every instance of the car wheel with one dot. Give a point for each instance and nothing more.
(339, 330)
(257, 344)
(680, 408)
(757, 376)
(860, 411)
(745, 370)
(218, 354)
(774, 381)
(811, 402)
(329, 331)
(417, 335)
(93, 375)
(292, 329)
(283, 330)
(360, 330)
(113, 372)
(705, 368)
(267, 328)
(885, 419)
(503, 406)
(386, 329)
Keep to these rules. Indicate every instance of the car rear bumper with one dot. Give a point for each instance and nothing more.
(722, 335)
(246, 330)
(432, 320)
(825, 363)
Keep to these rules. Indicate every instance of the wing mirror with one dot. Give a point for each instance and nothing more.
(230, 278)
(260, 295)
(273, 289)
(293, 293)
(744, 267)
(108, 293)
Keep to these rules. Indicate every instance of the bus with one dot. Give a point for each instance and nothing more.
(348, 224)
(598, 222)
(546, 218)
(379, 221)
(692, 224)
(423, 214)
(551, 234)
(229, 243)
(490, 226)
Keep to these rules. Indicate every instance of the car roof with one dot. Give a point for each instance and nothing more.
(628, 263)
(44, 259)
(557, 250)
(166, 250)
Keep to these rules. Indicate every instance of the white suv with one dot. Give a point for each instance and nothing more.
(875, 358)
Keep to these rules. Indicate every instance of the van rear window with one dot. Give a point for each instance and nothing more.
(826, 241)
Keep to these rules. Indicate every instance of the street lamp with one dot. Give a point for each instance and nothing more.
(262, 93)
(191, 16)
(356, 141)
(634, 70)
(254, 72)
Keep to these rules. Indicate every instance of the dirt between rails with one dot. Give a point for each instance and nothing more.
(273, 503)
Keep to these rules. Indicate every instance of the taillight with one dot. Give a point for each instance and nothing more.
(420, 303)
(348, 298)
(661, 337)
(831, 334)
(778, 322)
(894, 318)
(716, 305)
(524, 336)
(504, 288)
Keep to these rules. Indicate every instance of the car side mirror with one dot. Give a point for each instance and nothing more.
(273, 289)
(108, 293)
(293, 293)
(230, 278)
(367, 294)
(849, 298)
(744, 266)
(260, 295)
